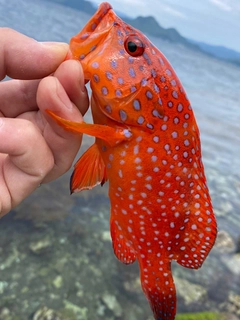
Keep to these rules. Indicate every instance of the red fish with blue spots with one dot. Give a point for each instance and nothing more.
(148, 147)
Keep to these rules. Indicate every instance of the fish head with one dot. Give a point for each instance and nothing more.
(129, 76)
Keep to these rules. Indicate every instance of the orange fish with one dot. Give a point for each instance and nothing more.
(148, 147)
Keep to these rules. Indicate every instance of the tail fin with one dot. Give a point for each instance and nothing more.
(158, 286)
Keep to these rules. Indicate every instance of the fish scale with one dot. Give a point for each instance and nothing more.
(148, 147)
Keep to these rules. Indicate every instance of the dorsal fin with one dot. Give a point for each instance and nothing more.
(89, 171)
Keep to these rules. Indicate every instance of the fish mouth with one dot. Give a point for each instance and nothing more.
(94, 33)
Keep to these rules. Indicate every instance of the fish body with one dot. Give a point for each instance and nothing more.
(148, 147)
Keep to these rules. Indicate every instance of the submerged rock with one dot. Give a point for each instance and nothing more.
(47, 314)
(58, 282)
(4, 313)
(232, 263)
(112, 304)
(225, 242)
(3, 286)
(41, 246)
(233, 304)
(79, 311)
(238, 245)
(189, 292)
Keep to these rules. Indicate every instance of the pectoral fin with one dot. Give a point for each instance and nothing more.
(112, 136)
(89, 171)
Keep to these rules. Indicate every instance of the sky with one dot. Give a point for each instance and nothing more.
(214, 22)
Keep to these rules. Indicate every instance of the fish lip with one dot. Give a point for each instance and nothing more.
(96, 19)
(90, 27)
(102, 11)
(82, 44)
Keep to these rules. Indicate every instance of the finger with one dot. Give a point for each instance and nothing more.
(17, 97)
(70, 75)
(63, 144)
(28, 162)
(25, 58)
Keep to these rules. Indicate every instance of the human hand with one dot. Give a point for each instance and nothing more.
(33, 148)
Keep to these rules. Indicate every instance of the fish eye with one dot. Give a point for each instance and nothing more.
(134, 46)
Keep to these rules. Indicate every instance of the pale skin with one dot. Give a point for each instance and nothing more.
(33, 148)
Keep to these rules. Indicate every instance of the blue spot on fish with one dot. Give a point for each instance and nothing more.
(137, 105)
(109, 75)
(114, 64)
(123, 115)
(95, 65)
(132, 72)
(104, 91)
(120, 80)
(118, 93)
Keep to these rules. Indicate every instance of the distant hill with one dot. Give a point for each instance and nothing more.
(150, 26)
(219, 52)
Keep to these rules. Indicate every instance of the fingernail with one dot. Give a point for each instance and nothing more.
(56, 47)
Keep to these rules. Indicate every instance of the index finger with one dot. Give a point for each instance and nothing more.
(22, 57)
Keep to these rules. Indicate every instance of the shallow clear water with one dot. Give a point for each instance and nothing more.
(55, 250)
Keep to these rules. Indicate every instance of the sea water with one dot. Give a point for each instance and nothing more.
(55, 250)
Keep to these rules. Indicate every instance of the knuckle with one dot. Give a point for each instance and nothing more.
(7, 30)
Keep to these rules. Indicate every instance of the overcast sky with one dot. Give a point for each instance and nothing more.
(212, 21)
